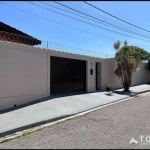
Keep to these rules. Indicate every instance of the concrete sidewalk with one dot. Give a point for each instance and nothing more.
(60, 107)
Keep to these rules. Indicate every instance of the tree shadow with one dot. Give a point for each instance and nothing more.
(128, 93)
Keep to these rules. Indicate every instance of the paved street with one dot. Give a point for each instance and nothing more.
(109, 127)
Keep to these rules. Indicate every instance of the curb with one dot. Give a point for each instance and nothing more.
(25, 130)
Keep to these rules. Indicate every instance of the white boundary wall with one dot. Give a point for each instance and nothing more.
(142, 75)
(25, 73)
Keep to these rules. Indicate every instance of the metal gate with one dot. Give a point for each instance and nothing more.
(67, 75)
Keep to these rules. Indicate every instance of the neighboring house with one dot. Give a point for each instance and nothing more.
(8, 33)
(28, 73)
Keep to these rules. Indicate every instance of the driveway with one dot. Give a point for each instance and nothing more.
(109, 127)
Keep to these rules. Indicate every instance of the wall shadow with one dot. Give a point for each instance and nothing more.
(51, 97)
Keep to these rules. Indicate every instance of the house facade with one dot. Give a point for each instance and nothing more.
(28, 73)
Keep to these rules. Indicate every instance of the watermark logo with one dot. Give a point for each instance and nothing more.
(140, 140)
(133, 141)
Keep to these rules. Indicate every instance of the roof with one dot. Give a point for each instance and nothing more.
(4, 28)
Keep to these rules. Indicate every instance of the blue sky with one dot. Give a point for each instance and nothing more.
(38, 20)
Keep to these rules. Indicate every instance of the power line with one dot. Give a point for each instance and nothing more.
(83, 50)
(48, 19)
(59, 23)
(99, 15)
(102, 21)
(77, 20)
(91, 23)
(115, 16)
(92, 13)
(106, 18)
(69, 12)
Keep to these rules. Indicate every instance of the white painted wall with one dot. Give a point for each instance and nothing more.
(142, 75)
(23, 74)
(91, 84)
(108, 75)
(139, 77)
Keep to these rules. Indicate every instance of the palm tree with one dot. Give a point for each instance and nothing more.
(117, 45)
(125, 43)
(126, 64)
(119, 70)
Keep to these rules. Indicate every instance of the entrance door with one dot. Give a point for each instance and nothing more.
(98, 76)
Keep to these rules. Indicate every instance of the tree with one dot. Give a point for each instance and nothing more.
(128, 59)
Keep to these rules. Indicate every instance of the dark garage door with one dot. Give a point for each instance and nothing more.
(67, 75)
